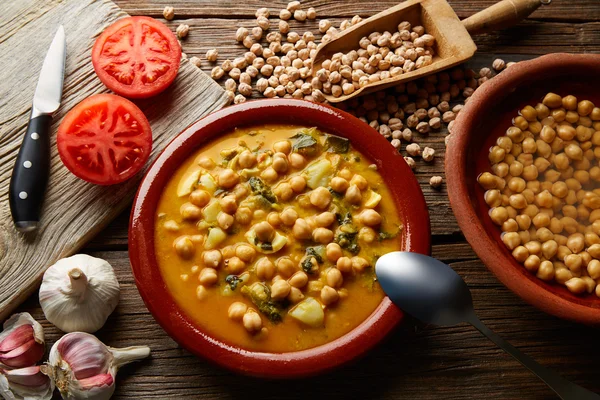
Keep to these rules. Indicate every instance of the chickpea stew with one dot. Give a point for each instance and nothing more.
(543, 191)
(268, 237)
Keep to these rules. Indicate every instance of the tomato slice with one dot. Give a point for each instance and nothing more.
(137, 57)
(105, 139)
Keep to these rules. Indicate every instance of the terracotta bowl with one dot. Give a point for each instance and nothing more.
(487, 116)
(398, 176)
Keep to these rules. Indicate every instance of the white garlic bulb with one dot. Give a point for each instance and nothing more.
(78, 293)
(28, 383)
(82, 367)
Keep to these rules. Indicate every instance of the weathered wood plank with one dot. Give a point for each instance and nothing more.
(414, 362)
(580, 10)
(73, 210)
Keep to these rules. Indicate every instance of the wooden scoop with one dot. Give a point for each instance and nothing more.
(453, 41)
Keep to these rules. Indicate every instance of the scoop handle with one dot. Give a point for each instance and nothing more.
(501, 15)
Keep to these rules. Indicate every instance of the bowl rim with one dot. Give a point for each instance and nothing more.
(174, 321)
(487, 249)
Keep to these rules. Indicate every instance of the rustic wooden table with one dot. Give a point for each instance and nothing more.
(415, 362)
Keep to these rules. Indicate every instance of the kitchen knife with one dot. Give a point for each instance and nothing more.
(30, 173)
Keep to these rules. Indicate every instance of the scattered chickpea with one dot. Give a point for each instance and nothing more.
(182, 31)
(435, 181)
(428, 154)
(169, 13)
(212, 55)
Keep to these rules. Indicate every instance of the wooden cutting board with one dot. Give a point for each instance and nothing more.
(74, 210)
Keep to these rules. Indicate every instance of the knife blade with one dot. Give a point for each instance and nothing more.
(31, 170)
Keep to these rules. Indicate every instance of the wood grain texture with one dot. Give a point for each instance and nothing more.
(74, 211)
(584, 10)
(415, 362)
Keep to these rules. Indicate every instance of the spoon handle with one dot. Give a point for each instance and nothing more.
(565, 389)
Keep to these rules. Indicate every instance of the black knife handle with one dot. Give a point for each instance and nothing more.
(30, 174)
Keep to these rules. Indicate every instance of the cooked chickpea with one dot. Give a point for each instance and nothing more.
(359, 181)
(224, 220)
(247, 159)
(298, 184)
(288, 216)
(334, 277)
(228, 204)
(344, 264)
(593, 269)
(370, 217)
(235, 265)
(322, 235)
(334, 252)
(499, 215)
(325, 219)
(184, 247)
(282, 146)
(320, 198)
(545, 271)
(339, 184)
(576, 285)
(243, 215)
(329, 295)
(208, 277)
(199, 198)
(228, 178)
(252, 321)
(299, 279)
(295, 295)
(212, 258)
(264, 231)
(269, 174)
(190, 212)
(359, 264)
(264, 269)
(297, 161)
(285, 267)
(237, 310)
(280, 290)
(280, 164)
(245, 252)
(301, 229)
(353, 195)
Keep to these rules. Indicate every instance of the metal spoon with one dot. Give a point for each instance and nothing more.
(432, 292)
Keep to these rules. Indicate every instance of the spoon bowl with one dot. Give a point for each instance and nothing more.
(426, 288)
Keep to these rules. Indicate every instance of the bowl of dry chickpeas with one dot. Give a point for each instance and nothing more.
(254, 236)
(524, 181)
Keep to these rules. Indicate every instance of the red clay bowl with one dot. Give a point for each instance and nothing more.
(487, 116)
(398, 176)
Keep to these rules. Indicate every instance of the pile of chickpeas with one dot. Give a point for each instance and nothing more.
(543, 191)
(379, 57)
(304, 216)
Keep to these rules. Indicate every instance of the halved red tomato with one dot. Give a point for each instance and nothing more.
(137, 57)
(105, 139)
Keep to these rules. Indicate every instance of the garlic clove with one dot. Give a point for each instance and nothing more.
(86, 355)
(25, 384)
(96, 381)
(17, 338)
(78, 293)
(83, 367)
(21, 341)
